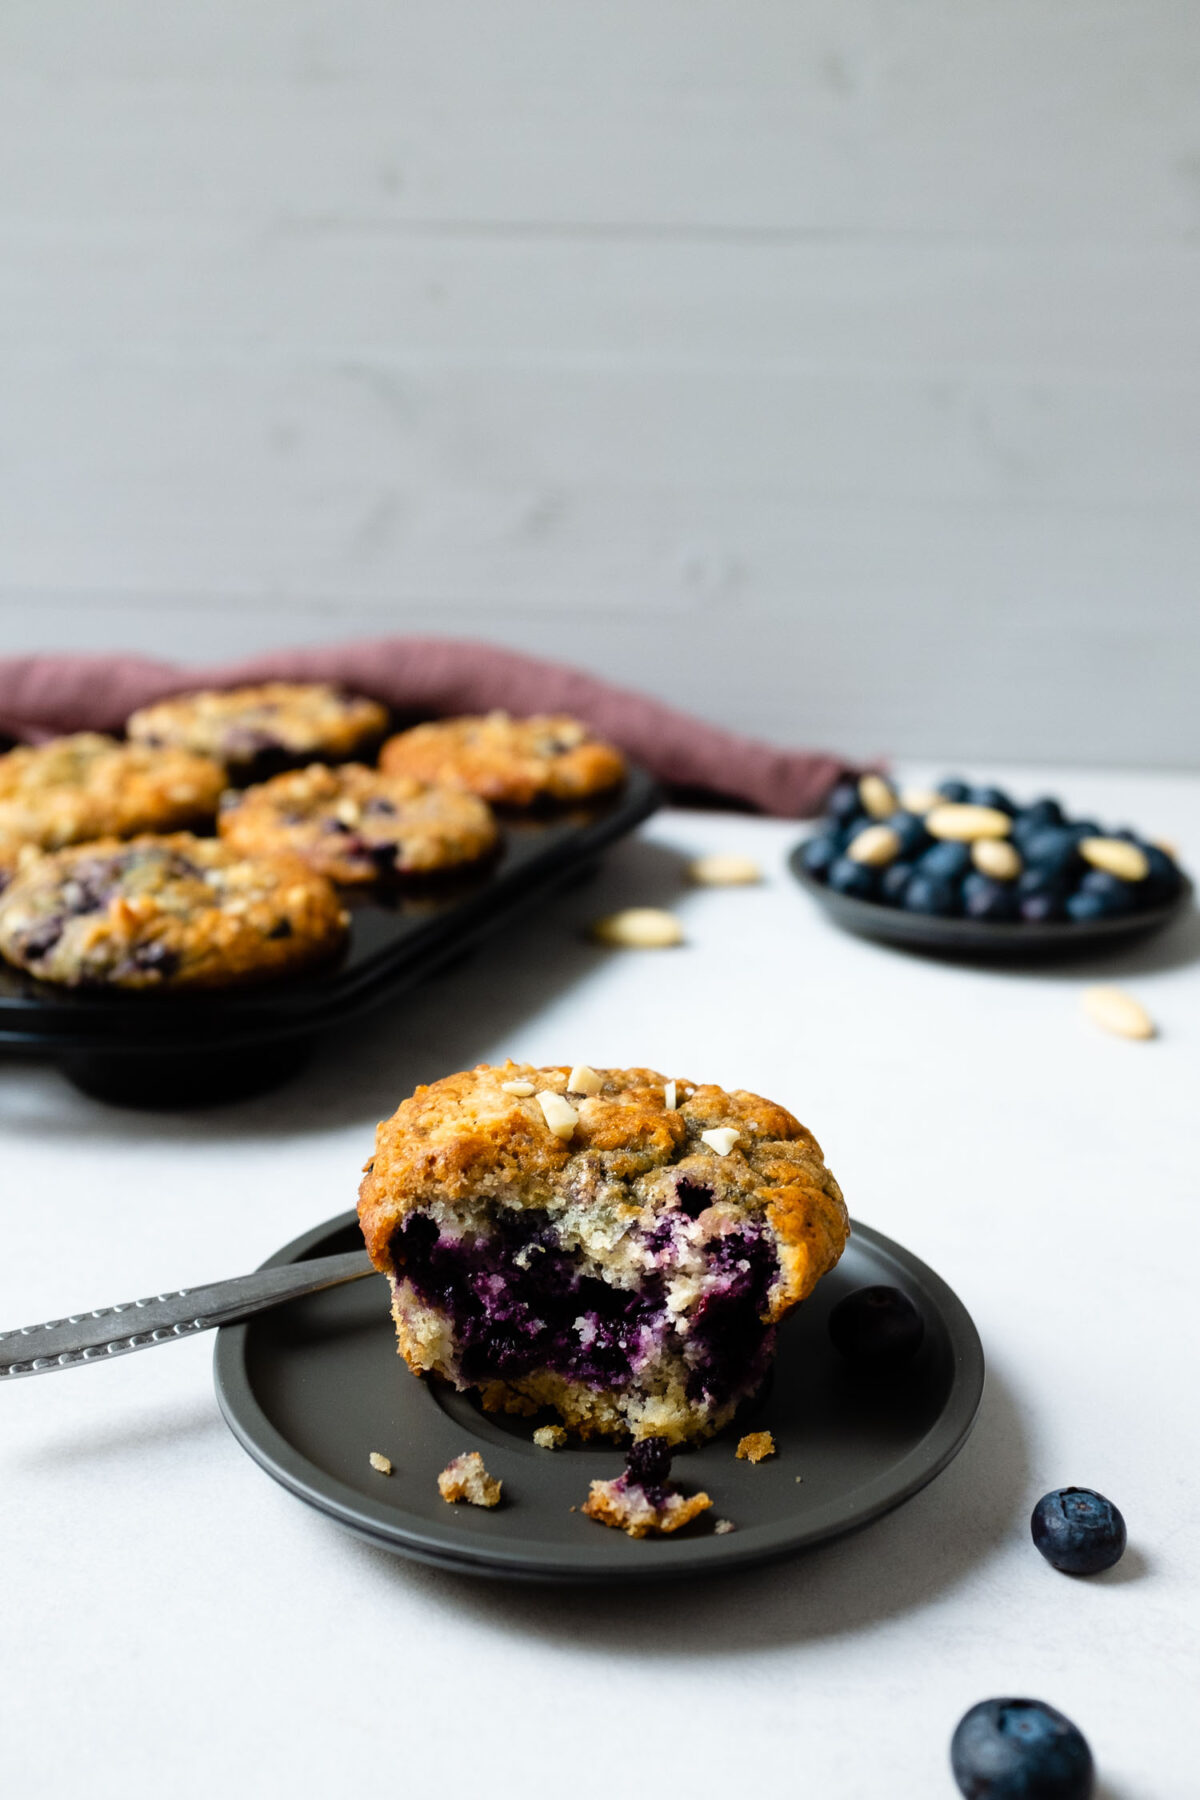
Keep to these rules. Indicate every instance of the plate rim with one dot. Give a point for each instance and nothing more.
(526, 1559)
(926, 931)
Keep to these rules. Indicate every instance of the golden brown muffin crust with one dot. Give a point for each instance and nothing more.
(237, 726)
(510, 762)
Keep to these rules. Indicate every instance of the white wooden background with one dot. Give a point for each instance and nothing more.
(829, 366)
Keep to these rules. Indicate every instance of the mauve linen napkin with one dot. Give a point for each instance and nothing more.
(419, 677)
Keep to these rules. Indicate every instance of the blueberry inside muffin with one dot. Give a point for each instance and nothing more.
(606, 1244)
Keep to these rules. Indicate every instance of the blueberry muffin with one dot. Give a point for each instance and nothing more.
(549, 757)
(257, 731)
(91, 786)
(604, 1243)
(356, 825)
(166, 913)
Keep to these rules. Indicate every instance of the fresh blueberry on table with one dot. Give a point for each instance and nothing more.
(948, 862)
(876, 1328)
(984, 898)
(1020, 1750)
(855, 879)
(820, 853)
(1078, 1531)
(931, 894)
(844, 803)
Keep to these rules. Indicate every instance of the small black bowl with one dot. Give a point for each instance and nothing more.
(980, 938)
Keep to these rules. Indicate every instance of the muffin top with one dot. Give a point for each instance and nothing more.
(357, 825)
(166, 912)
(609, 1151)
(511, 762)
(90, 786)
(253, 727)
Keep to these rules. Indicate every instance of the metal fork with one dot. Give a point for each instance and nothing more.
(108, 1331)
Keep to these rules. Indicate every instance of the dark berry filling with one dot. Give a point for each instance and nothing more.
(648, 1466)
(693, 1196)
(518, 1302)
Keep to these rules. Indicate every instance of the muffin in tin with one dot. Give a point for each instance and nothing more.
(174, 912)
(87, 786)
(606, 1244)
(357, 825)
(258, 731)
(549, 758)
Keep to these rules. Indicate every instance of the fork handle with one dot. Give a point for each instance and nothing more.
(109, 1331)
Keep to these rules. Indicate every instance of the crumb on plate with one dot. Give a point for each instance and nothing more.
(381, 1463)
(723, 1526)
(465, 1478)
(756, 1446)
(550, 1437)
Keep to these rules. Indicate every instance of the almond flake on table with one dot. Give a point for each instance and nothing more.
(721, 1138)
(1114, 1010)
(724, 870)
(639, 928)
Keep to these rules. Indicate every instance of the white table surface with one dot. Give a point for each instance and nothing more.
(176, 1623)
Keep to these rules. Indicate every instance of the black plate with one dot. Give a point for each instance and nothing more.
(976, 937)
(311, 1388)
(150, 1050)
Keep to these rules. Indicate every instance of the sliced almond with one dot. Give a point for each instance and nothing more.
(583, 1080)
(996, 857)
(963, 824)
(920, 800)
(639, 928)
(877, 796)
(669, 1096)
(522, 1089)
(721, 1138)
(1114, 1010)
(558, 1114)
(875, 846)
(1115, 857)
(725, 871)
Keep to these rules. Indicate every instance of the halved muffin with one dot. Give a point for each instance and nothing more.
(607, 1244)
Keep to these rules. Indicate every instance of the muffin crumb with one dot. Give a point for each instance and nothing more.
(550, 1437)
(381, 1463)
(465, 1478)
(756, 1446)
(723, 1526)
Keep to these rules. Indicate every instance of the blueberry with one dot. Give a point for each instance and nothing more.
(1117, 895)
(648, 1462)
(856, 879)
(1045, 907)
(1053, 849)
(954, 790)
(843, 804)
(40, 940)
(894, 881)
(876, 1328)
(1020, 1750)
(1041, 812)
(991, 796)
(949, 862)
(1078, 1531)
(1084, 908)
(931, 894)
(912, 833)
(1163, 880)
(1085, 828)
(820, 853)
(984, 898)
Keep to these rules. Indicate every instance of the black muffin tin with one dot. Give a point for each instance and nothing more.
(146, 1049)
